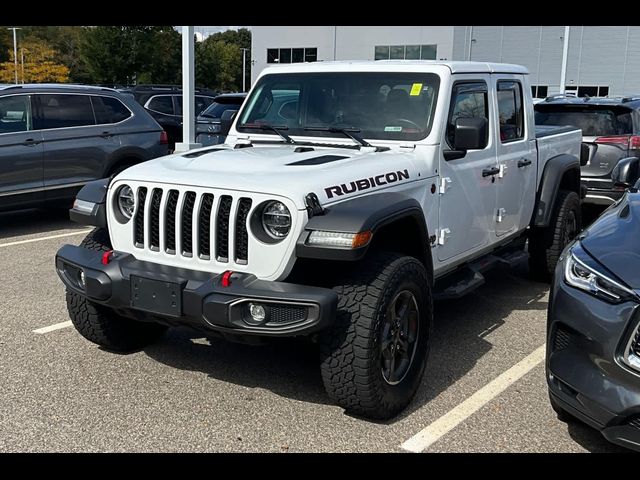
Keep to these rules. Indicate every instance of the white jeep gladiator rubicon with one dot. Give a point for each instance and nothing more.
(347, 197)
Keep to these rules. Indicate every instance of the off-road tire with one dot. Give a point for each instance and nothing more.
(351, 353)
(546, 244)
(100, 324)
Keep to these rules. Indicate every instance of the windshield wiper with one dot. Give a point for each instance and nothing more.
(273, 128)
(346, 131)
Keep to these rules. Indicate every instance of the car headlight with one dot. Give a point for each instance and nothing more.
(126, 201)
(276, 220)
(583, 272)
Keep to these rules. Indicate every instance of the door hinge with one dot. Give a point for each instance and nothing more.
(445, 184)
(500, 214)
(410, 146)
(443, 235)
(503, 170)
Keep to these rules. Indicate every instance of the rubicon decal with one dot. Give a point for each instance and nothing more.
(366, 183)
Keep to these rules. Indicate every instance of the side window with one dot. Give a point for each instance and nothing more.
(468, 100)
(510, 113)
(109, 110)
(15, 114)
(62, 111)
(201, 104)
(161, 104)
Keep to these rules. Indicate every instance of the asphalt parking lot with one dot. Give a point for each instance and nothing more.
(484, 390)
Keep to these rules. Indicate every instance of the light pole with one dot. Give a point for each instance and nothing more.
(15, 50)
(565, 57)
(244, 74)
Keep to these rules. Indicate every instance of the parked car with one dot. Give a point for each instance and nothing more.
(164, 103)
(611, 132)
(347, 196)
(593, 329)
(209, 129)
(56, 138)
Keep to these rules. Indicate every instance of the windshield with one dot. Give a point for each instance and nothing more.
(383, 106)
(215, 110)
(592, 121)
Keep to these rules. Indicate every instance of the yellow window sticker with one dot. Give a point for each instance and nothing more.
(416, 88)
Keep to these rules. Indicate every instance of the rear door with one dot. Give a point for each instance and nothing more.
(517, 155)
(76, 150)
(20, 152)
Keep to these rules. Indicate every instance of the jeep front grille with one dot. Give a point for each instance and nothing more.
(192, 225)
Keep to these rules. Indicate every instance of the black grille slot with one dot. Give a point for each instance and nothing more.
(562, 338)
(187, 223)
(282, 314)
(154, 214)
(242, 236)
(204, 227)
(635, 345)
(634, 422)
(170, 221)
(222, 229)
(139, 220)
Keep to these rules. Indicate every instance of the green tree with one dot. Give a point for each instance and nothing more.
(219, 59)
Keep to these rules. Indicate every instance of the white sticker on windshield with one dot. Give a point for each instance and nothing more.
(392, 129)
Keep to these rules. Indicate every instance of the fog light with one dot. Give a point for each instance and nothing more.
(258, 313)
(81, 280)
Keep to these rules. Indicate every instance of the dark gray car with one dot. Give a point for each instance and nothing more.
(56, 138)
(610, 133)
(593, 328)
(209, 128)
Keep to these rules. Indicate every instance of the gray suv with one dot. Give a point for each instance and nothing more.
(610, 138)
(56, 138)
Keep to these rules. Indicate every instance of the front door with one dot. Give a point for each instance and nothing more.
(468, 193)
(20, 153)
(517, 156)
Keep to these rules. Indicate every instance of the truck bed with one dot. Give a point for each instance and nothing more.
(552, 141)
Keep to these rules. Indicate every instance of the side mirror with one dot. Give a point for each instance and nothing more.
(584, 154)
(470, 133)
(625, 173)
(226, 120)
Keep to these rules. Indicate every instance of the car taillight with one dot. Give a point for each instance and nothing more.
(164, 139)
(625, 141)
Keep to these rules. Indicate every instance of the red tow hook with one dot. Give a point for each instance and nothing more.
(107, 256)
(226, 278)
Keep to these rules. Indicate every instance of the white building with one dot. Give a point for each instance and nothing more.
(602, 60)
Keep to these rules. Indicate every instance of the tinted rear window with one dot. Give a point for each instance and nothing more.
(592, 121)
(60, 111)
(109, 110)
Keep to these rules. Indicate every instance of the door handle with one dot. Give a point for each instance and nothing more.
(31, 142)
(106, 135)
(524, 162)
(487, 172)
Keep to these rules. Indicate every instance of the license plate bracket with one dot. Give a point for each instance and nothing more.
(156, 296)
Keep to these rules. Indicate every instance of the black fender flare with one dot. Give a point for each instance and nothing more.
(552, 175)
(370, 212)
(96, 193)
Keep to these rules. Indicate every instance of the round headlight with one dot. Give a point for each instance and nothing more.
(126, 201)
(276, 219)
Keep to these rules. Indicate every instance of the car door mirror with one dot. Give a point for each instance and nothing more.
(470, 133)
(226, 120)
(584, 154)
(625, 173)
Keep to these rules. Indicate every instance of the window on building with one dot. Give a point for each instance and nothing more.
(603, 91)
(539, 91)
(382, 52)
(292, 55)
(15, 114)
(405, 52)
(587, 91)
(469, 100)
(59, 111)
(510, 111)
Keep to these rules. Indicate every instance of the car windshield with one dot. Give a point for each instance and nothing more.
(593, 121)
(215, 110)
(378, 105)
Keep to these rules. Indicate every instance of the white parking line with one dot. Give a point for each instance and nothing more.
(52, 328)
(40, 239)
(450, 420)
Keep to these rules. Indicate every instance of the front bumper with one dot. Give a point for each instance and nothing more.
(586, 376)
(176, 296)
